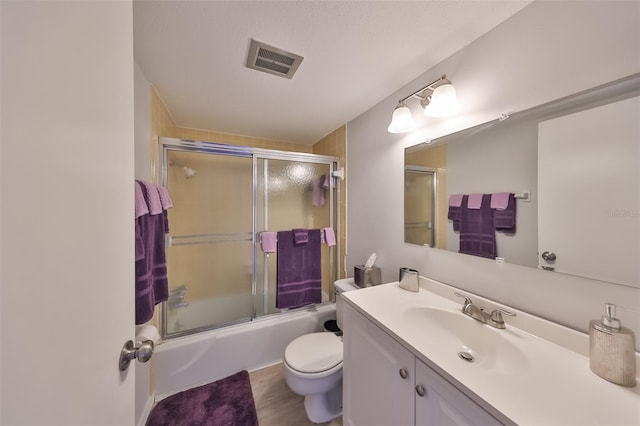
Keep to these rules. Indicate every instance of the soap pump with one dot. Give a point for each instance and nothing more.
(612, 349)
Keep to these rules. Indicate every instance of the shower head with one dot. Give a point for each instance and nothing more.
(189, 172)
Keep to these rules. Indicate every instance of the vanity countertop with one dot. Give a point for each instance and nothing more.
(536, 374)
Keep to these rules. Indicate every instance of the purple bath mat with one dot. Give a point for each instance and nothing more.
(227, 402)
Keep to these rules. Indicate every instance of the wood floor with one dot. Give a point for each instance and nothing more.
(276, 404)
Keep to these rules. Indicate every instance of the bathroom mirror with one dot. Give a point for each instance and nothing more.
(574, 166)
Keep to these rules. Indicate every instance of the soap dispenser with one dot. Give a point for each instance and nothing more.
(612, 349)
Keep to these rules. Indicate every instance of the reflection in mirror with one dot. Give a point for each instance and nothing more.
(419, 205)
(577, 157)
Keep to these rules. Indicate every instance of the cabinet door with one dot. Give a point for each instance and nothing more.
(443, 404)
(376, 392)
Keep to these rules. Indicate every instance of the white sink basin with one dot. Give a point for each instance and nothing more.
(473, 342)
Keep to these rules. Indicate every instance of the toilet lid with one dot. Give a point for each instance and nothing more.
(315, 352)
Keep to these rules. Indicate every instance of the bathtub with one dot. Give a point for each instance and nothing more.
(184, 362)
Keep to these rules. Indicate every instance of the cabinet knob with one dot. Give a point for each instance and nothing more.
(403, 373)
(420, 391)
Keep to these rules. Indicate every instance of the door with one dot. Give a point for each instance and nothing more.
(439, 403)
(589, 193)
(378, 375)
(210, 250)
(67, 225)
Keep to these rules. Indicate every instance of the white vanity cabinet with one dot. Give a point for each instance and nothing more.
(440, 403)
(383, 383)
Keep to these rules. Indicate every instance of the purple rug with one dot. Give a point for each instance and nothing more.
(226, 402)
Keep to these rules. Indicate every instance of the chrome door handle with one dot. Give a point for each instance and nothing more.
(549, 256)
(129, 352)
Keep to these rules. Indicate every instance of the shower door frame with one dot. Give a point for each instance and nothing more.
(256, 154)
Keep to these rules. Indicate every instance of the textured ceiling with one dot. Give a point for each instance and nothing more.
(356, 53)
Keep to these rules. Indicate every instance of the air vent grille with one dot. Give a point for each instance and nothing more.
(272, 60)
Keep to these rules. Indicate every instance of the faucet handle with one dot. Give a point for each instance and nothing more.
(467, 301)
(495, 319)
(502, 311)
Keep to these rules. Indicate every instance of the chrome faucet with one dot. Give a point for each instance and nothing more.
(494, 319)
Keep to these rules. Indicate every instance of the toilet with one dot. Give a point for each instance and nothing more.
(313, 366)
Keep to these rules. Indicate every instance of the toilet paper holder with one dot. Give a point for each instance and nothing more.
(143, 353)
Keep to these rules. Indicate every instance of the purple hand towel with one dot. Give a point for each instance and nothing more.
(269, 241)
(152, 197)
(300, 236)
(505, 220)
(455, 201)
(141, 204)
(328, 236)
(299, 274)
(165, 200)
(500, 200)
(318, 192)
(477, 234)
(475, 201)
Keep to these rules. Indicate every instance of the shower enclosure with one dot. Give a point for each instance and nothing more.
(224, 196)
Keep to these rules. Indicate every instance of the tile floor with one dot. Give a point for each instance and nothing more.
(276, 404)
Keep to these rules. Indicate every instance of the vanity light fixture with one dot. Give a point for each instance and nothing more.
(438, 100)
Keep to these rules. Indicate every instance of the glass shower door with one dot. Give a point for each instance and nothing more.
(210, 247)
(290, 195)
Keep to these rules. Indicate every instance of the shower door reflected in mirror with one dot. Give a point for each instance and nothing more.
(210, 252)
(419, 205)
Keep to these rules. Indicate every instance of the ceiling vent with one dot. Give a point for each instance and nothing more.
(272, 60)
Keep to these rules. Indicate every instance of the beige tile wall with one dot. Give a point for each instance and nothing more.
(335, 144)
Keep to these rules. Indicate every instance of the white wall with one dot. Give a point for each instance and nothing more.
(546, 51)
(67, 278)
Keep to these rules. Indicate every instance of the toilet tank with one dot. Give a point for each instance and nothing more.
(340, 286)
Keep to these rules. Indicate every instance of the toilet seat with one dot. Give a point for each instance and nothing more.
(315, 354)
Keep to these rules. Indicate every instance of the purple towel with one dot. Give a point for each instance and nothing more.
(300, 236)
(299, 275)
(505, 220)
(152, 285)
(477, 234)
(475, 201)
(328, 236)
(455, 201)
(268, 241)
(500, 200)
(318, 191)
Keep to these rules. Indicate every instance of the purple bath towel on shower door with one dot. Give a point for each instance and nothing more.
(299, 280)
(477, 234)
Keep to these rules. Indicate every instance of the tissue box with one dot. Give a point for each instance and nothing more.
(367, 277)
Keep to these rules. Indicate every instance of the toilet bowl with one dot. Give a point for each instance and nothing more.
(313, 366)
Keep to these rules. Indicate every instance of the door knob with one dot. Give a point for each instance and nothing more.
(420, 391)
(129, 352)
(403, 373)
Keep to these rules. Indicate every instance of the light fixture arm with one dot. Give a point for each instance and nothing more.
(424, 100)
